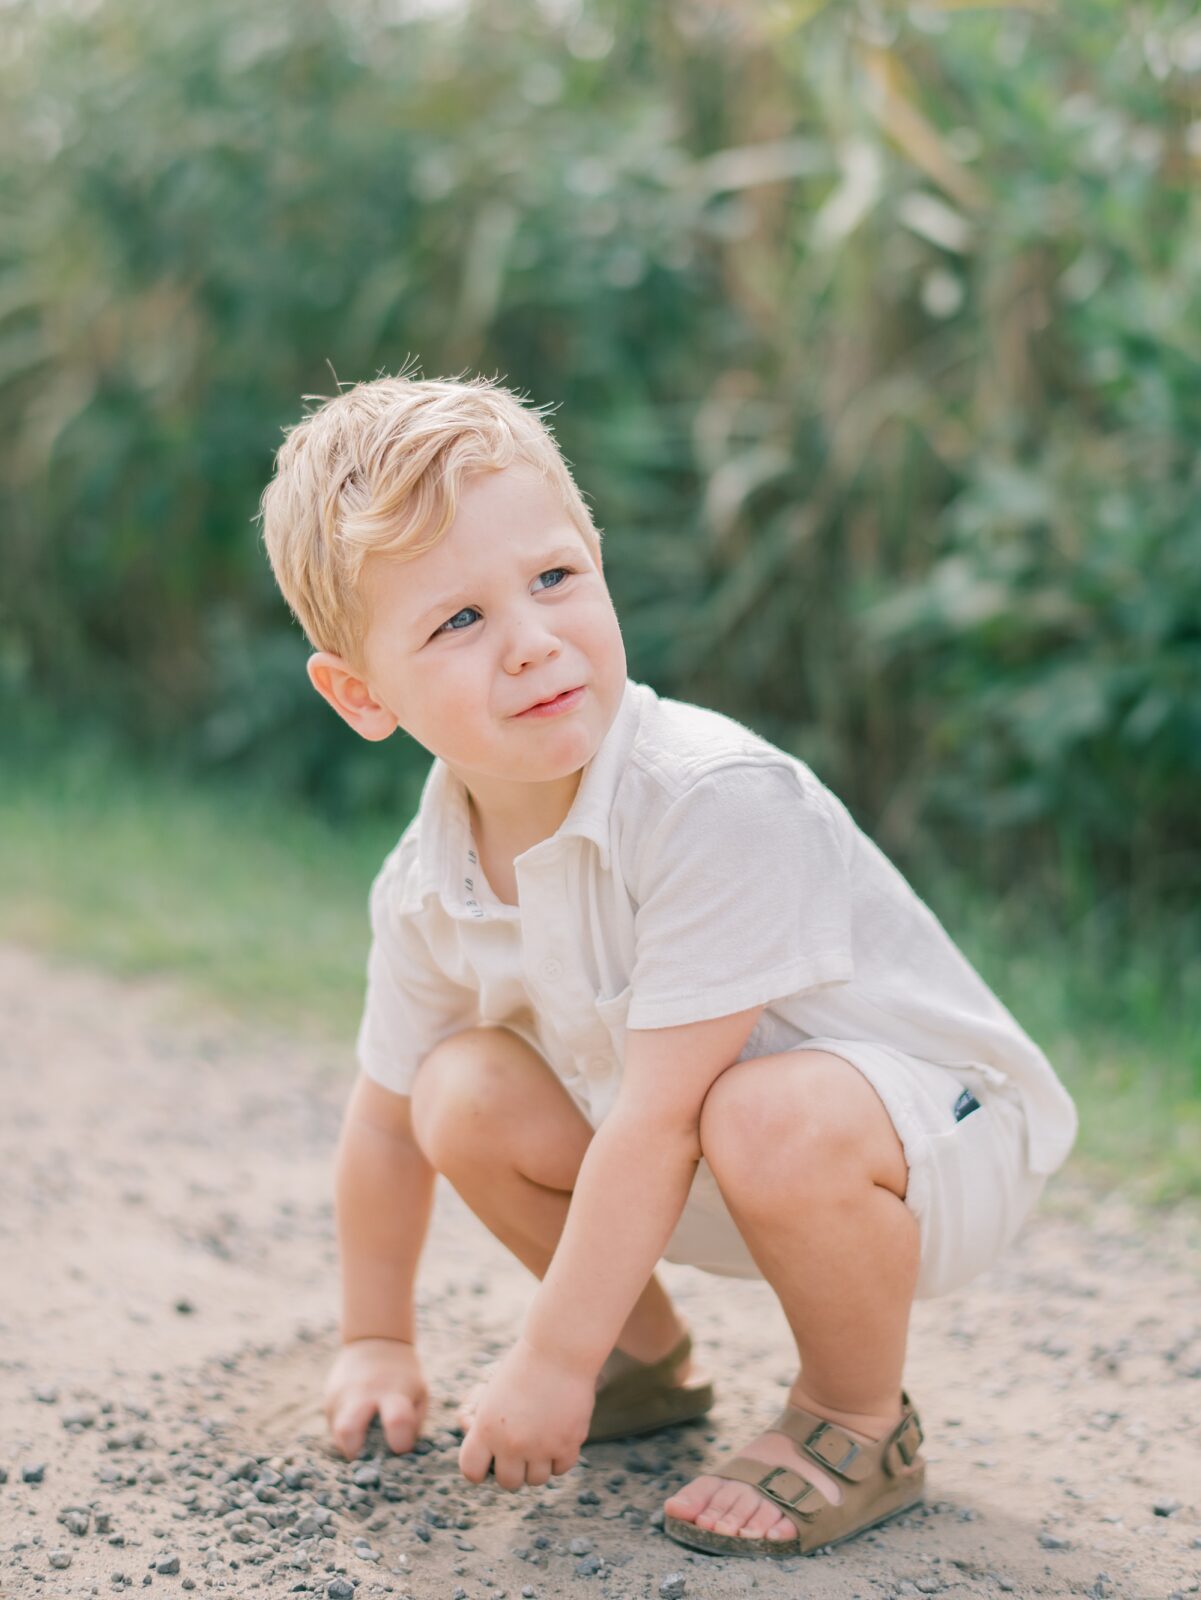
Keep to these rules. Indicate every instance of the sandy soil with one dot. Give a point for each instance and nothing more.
(167, 1314)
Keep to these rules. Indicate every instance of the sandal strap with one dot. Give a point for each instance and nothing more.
(899, 1451)
(847, 1458)
(624, 1381)
(826, 1443)
(786, 1488)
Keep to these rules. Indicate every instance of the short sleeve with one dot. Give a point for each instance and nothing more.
(744, 898)
(410, 1004)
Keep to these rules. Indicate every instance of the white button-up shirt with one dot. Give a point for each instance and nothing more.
(700, 871)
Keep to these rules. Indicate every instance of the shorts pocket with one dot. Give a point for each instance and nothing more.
(980, 1193)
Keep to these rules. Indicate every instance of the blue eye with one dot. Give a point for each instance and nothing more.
(471, 611)
(566, 571)
(449, 624)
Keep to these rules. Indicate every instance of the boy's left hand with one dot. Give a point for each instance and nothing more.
(530, 1421)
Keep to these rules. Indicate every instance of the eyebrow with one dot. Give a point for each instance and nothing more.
(452, 604)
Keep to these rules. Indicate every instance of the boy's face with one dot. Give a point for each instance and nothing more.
(508, 609)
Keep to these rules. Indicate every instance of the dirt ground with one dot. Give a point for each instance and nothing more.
(167, 1298)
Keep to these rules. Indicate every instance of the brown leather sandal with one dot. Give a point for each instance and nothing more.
(878, 1481)
(640, 1397)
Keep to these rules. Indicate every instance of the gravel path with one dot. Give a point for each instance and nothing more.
(168, 1277)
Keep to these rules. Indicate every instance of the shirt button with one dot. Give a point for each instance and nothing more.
(552, 969)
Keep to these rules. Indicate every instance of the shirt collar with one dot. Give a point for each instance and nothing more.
(445, 825)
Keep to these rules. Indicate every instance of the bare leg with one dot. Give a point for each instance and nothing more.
(814, 1175)
(491, 1116)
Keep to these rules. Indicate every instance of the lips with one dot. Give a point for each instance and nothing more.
(550, 699)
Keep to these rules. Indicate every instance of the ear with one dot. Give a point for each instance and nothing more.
(350, 695)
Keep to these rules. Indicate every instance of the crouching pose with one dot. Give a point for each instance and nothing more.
(640, 988)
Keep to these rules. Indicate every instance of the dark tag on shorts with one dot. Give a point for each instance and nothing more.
(966, 1104)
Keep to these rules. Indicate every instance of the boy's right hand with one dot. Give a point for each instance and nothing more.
(369, 1376)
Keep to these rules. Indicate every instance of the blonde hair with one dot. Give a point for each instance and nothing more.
(377, 470)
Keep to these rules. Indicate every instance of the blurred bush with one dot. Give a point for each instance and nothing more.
(876, 332)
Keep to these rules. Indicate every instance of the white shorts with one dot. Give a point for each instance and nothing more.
(969, 1186)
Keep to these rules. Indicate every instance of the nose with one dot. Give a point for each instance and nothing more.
(530, 639)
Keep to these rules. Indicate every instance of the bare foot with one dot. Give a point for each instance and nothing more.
(728, 1507)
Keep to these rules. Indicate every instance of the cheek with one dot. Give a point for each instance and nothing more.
(604, 635)
(597, 619)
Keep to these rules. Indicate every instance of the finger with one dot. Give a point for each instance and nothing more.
(398, 1419)
(509, 1472)
(537, 1473)
(474, 1457)
(419, 1410)
(467, 1409)
(350, 1424)
(562, 1464)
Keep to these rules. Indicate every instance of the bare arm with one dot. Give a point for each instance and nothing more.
(383, 1189)
(631, 1188)
(383, 1193)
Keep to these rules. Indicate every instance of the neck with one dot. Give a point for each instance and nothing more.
(513, 817)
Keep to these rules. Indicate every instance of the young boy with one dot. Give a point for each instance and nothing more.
(639, 987)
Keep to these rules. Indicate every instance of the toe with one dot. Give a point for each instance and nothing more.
(724, 1498)
(735, 1517)
(764, 1516)
(781, 1529)
(691, 1499)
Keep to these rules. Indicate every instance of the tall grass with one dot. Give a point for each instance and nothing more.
(874, 329)
(262, 907)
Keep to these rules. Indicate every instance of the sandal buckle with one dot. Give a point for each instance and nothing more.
(819, 1433)
(907, 1445)
(806, 1489)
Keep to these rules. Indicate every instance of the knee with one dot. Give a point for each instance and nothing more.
(781, 1125)
(464, 1091)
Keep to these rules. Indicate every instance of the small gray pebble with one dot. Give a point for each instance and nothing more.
(34, 1472)
(167, 1564)
(459, 1594)
(580, 1547)
(589, 1566)
(673, 1585)
(528, 1591)
(340, 1589)
(1050, 1541)
(1166, 1507)
(60, 1559)
(46, 1394)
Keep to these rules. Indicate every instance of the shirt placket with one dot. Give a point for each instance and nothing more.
(559, 985)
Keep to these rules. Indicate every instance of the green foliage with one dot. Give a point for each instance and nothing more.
(875, 332)
(259, 905)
